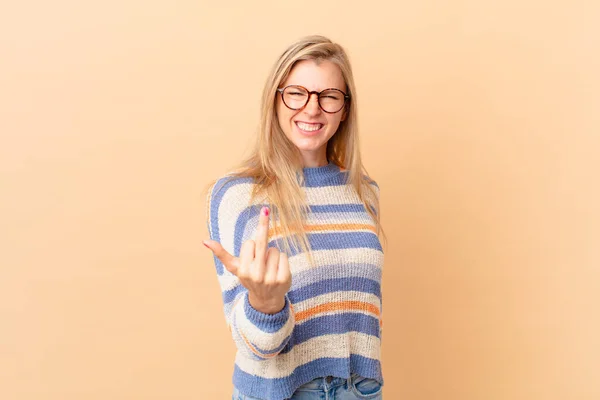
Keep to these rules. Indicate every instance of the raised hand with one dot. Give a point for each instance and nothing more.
(265, 272)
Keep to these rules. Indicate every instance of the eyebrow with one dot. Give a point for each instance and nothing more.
(330, 87)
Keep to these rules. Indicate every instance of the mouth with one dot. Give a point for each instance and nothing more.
(309, 128)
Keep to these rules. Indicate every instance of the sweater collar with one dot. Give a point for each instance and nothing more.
(314, 175)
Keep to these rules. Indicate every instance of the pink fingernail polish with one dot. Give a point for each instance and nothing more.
(266, 211)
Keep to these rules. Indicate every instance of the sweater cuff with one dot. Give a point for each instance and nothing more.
(267, 322)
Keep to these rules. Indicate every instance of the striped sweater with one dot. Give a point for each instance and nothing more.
(331, 321)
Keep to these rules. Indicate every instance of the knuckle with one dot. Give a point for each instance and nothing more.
(257, 278)
(270, 281)
(281, 281)
(273, 255)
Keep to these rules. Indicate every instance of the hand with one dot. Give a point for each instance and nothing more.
(264, 272)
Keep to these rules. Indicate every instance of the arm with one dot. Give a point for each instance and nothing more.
(260, 329)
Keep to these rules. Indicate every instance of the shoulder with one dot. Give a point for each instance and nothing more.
(370, 181)
(227, 185)
(228, 190)
(371, 184)
(227, 200)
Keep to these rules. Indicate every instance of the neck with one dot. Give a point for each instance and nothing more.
(315, 162)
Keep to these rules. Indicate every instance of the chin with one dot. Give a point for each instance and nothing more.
(312, 146)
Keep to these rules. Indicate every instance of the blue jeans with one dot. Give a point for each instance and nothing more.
(332, 388)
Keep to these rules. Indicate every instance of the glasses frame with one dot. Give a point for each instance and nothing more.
(310, 93)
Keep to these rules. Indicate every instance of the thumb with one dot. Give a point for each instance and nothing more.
(230, 262)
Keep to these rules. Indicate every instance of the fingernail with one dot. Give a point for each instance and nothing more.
(266, 211)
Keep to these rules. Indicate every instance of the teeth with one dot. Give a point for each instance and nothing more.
(309, 127)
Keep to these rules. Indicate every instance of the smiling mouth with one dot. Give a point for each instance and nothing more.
(308, 127)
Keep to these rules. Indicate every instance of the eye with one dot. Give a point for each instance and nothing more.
(331, 95)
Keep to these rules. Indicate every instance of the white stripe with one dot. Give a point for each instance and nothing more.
(340, 218)
(336, 346)
(265, 341)
(328, 195)
(299, 262)
(228, 281)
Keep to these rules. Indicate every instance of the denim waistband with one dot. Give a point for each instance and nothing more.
(327, 382)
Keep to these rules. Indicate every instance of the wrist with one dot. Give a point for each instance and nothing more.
(271, 306)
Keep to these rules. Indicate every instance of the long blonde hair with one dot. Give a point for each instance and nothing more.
(275, 162)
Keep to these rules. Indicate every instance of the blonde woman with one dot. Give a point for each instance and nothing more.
(295, 236)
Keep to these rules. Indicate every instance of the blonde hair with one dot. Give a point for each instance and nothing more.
(275, 162)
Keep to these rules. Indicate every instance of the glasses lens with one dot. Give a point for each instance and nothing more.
(295, 97)
(331, 100)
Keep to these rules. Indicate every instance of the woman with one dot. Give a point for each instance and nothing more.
(295, 237)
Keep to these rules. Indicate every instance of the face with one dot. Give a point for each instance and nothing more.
(310, 128)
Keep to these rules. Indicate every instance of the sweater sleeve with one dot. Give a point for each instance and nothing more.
(257, 335)
(377, 206)
(375, 203)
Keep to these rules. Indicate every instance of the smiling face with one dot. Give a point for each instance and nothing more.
(310, 128)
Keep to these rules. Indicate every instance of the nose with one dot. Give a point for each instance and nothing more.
(312, 107)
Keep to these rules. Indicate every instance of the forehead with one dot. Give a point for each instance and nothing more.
(316, 75)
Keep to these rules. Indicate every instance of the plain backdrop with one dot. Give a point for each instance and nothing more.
(479, 120)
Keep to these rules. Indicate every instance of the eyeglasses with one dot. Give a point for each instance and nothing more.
(297, 97)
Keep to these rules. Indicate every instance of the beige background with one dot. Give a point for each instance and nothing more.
(479, 121)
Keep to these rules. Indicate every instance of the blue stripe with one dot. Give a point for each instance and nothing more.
(246, 216)
(371, 181)
(334, 240)
(330, 271)
(231, 294)
(335, 285)
(325, 208)
(283, 388)
(268, 323)
(338, 179)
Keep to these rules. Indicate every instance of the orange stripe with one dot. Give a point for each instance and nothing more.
(248, 343)
(253, 349)
(276, 231)
(337, 306)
